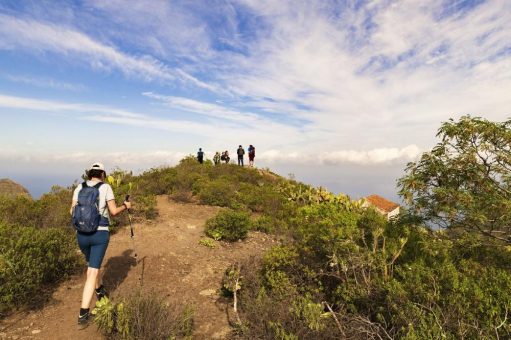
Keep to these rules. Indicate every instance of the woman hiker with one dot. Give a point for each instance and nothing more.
(94, 241)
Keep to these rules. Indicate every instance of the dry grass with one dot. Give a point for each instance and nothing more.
(12, 189)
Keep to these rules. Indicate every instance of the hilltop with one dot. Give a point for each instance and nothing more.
(229, 252)
(10, 188)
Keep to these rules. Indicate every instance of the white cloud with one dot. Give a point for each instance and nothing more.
(145, 160)
(338, 157)
(44, 37)
(204, 108)
(148, 159)
(46, 83)
(23, 103)
(221, 132)
(390, 83)
(378, 77)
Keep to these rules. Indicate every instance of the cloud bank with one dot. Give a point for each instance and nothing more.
(383, 156)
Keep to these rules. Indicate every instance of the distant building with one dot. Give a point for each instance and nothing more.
(382, 205)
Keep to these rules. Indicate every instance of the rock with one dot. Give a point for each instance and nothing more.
(36, 331)
(208, 292)
(222, 334)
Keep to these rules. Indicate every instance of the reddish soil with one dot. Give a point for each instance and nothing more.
(170, 262)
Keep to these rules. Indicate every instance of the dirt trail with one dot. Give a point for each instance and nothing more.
(173, 264)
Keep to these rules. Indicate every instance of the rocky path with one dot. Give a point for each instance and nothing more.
(170, 262)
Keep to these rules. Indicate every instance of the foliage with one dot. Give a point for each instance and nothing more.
(207, 242)
(144, 203)
(349, 273)
(12, 189)
(269, 224)
(228, 225)
(30, 259)
(51, 210)
(465, 181)
(219, 192)
(143, 316)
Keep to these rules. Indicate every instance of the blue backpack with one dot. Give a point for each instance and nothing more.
(86, 216)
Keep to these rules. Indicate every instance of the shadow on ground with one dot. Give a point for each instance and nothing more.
(117, 269)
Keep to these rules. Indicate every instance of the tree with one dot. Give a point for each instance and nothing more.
(464, 182)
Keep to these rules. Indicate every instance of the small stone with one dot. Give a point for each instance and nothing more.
(36, 331)
(31, 324)
(208, 292)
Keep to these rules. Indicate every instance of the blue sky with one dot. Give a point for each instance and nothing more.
(341, 93)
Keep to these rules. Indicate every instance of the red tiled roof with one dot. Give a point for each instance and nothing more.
(382, 203)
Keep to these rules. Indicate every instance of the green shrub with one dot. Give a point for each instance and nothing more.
(18, 210)
(228, 225)
(32, 258)
(52, 209)
(268, 224)
(143, 316)
(207, 242)
(261, 198)
(158, 181)
(182, 195)
(219, 192)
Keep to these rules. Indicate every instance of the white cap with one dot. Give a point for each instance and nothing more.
(97, 166)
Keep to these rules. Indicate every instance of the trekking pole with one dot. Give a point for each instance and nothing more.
(131, 228)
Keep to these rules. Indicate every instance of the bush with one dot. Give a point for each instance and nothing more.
(18, 210)
(158, 181)
(53, 208)
(143, 316)
(382, 280)
(268, 224)
(219, 192)
(182, 195)
(31, 258)
(228, 225)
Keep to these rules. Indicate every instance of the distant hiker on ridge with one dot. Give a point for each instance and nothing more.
(216, 158)
(92, 202)
(251, 155)
(240, 153)
(200, 156)
(225, 157)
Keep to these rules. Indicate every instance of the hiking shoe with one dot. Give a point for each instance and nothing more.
(83, 320)
(101, 292)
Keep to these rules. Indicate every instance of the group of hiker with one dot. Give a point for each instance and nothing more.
(92, 205)
(224, 157)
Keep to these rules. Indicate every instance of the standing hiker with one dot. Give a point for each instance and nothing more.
(240, 153)
(251, 155)
(200, 156)
(93, 203)
(216, 158)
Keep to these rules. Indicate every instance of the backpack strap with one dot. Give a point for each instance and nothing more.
(84, 184)
(98, 185)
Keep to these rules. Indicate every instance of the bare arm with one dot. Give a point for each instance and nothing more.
(73, 203)
(115, 210)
